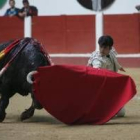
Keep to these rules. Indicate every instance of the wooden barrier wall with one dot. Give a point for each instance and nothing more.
(125, 29)
(76, 34)
(65, 34)
(11, 28)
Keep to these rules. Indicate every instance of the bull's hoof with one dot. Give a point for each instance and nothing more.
(27, 114)
(2, 116)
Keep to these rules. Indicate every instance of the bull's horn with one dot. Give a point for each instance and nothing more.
(29, 77)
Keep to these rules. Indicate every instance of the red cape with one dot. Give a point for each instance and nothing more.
(80, 94)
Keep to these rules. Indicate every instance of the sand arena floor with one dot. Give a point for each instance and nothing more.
(43, 126)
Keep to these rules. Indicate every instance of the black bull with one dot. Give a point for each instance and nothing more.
(13, 80)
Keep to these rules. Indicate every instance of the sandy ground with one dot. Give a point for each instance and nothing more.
(43, 126)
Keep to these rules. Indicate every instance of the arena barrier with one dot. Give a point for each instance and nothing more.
(73, 36)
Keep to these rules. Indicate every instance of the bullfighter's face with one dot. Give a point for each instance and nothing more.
(104, 50)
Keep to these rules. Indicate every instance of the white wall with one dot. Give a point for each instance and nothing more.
(72, 7)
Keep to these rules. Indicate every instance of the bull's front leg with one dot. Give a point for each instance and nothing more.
(28, 113)
(4, 101)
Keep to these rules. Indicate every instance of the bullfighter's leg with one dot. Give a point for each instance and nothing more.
(121, 113)
(4, 101)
